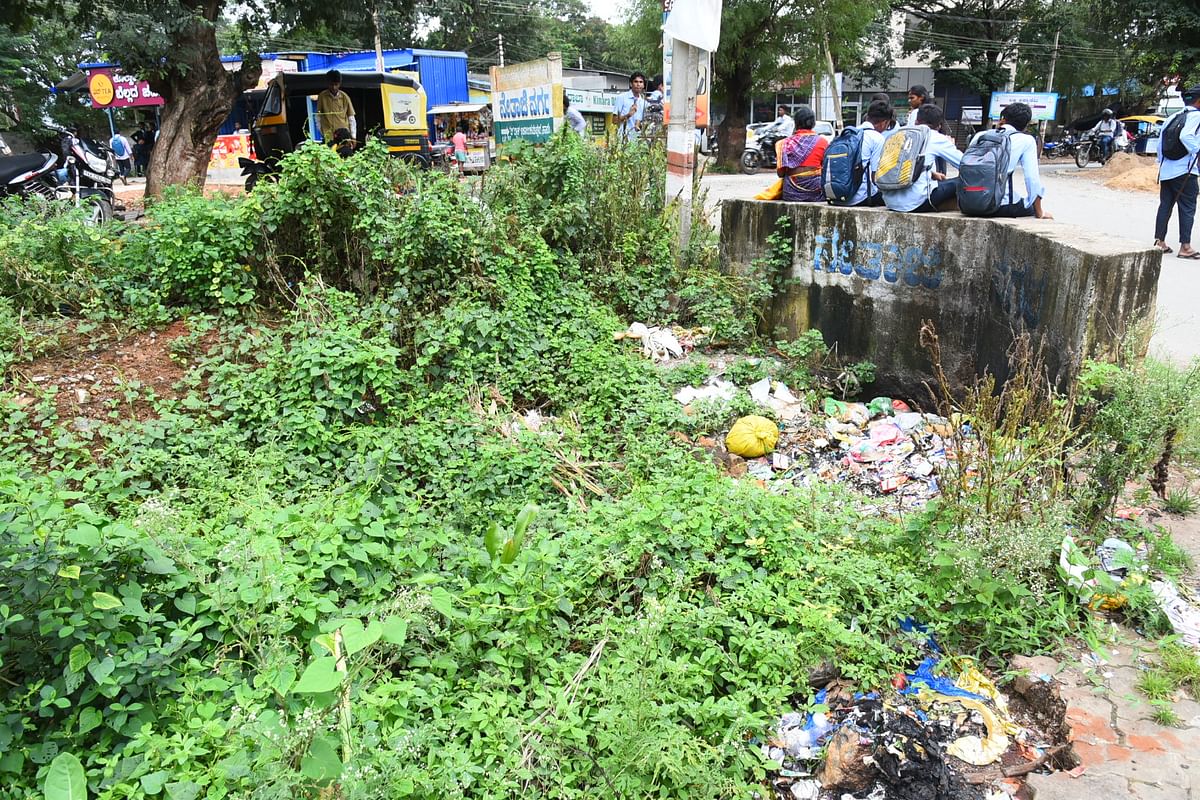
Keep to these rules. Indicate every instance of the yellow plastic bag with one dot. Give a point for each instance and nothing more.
(752, 436)
(772, 192)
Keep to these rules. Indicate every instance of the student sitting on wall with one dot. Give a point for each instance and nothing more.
(1022, 152)
(879, 118)
(922, 189)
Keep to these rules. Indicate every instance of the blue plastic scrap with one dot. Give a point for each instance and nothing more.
(908, 625)
(936, 683)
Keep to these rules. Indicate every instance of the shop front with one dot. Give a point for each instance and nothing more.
(478, 118)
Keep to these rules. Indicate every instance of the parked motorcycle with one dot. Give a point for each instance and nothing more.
(83, 173)
(759, 154)
(1063, 148)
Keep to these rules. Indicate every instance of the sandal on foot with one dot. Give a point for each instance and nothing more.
(1192, 256)
(1166, 248)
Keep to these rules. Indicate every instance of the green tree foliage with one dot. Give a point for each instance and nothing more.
(32, 61)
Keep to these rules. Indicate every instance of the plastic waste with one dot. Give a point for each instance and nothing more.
(1115, 557)
(880, 405)
(1184, 616)
(713, 389)
(923, 678)
(658, 344)
(760, 392)
(885, 432)
(752, 436)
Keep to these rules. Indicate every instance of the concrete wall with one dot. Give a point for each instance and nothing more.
(866, 278)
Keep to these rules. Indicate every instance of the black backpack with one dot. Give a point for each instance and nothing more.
(1172, 137)
(983, 176)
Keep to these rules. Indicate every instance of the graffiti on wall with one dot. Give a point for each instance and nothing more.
(1019, 291)
(912, 266)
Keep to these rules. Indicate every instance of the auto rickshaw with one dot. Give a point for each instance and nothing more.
(389, 106)
(1144, 130)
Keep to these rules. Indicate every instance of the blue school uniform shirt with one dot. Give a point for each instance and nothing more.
(628, 128)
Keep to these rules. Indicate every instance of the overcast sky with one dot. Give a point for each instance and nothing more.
(609, 10)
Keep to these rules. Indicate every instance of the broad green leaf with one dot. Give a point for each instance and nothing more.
(70, 572)
(65, 779)
(105, 601)
(491, 539)
(355, 638)
(324, 641)
(395, 630)
(443, 603)
(282, 681)
(186, 604)
(99, 670)
(320, 676)
(79, 658)
(183, 790)
(322, 762)
(84, 535)
(89, 719)
(523, 519)
(154, 782)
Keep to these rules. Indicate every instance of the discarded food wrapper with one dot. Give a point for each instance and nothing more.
(713, 389)
(752, 436)
(1184, 617)
(806, 789)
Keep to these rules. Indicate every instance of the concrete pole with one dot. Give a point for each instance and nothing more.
(1049, 84)
(681, 151)
(502, 49)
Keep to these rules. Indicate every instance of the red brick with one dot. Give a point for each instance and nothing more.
(1145, 744)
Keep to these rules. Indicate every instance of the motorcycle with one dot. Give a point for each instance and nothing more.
(83, 174)
(1064, 148)
(759, 154)
(1088, 150)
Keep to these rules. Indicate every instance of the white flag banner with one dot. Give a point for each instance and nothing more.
(697, 22)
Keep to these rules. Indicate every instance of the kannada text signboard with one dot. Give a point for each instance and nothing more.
(111, 89)
(527, 99)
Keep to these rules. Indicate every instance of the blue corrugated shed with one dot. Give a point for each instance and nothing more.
(444, 76)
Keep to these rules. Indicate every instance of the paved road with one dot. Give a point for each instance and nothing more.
(1075, 200)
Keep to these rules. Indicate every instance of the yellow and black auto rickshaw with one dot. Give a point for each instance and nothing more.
(389, 106)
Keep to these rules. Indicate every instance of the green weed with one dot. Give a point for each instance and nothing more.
(1180, 502)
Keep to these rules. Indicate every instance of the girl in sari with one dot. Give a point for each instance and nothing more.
(799, 158)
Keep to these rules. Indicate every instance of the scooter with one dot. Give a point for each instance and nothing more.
(83, 174)
(760, 154)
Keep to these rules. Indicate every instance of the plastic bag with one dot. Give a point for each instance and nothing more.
(772, 192)
(752, 436)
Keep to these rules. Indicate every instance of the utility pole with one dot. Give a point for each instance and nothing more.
(1049, 85)
(378, 39)
(833, 87)
(502, 49)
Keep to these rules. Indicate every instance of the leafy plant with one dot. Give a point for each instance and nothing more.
(1180, 502)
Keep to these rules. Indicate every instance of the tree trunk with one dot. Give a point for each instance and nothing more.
(199, 94)
(731, 134)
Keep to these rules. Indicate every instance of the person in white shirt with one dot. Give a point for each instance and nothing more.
(1022, 152)
(1105, 130)
(1177, 181)
(931, 190)
(918, 96)
(783, 126)
(879, 117)
(572, 117)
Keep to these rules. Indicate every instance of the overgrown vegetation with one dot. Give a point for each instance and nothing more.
(414, 524)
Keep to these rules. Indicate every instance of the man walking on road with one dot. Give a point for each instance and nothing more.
(1177, 184)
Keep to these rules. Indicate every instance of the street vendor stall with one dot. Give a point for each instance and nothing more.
(597, 109)
(478, 116)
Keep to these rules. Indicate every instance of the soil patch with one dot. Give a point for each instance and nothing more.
(91, 381)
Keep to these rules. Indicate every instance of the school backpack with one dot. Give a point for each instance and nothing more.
(903, 158)
(842, 167)
(118, 147)
(1172, 144)
(983, 176)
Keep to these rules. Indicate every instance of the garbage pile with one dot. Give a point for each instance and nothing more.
(1102, 584)
(935, 738)
(881, 448)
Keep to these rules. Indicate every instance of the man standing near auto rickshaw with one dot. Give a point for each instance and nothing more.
(334, 109)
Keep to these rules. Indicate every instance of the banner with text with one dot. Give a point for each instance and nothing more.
(1044, 104)
(527, 99)
(111, 89)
